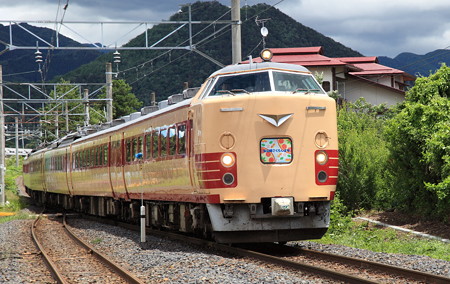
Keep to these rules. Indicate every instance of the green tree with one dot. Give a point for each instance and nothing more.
(124, 101)
(363, 156)
(419, 137)
(55, 113)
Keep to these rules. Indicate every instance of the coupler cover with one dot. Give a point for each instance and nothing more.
(282, 206)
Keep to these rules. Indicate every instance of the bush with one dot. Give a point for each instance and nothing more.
(363, 155)
(419, 137)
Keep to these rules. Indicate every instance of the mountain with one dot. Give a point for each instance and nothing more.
(164, 72)
(22, 62)
(418, 64)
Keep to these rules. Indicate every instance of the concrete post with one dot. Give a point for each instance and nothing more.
(87, 117)
(2, 143)
(236, 31)
(109, 95)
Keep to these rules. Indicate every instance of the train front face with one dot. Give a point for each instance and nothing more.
(274, 131)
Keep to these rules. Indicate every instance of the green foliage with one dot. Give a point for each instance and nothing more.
(124, 101)
(18, 216)
(363, 156)
(12, 172)
(344, 231)
(340, 218)
(420, 147)
(13, 201)
(56, 112)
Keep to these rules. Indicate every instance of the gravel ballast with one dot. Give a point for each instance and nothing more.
(164, 261)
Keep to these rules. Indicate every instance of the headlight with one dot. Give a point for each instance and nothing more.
(227, 160)
(266, 54)
(321, 157)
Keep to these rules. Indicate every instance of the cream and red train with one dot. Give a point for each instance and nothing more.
(252, 157)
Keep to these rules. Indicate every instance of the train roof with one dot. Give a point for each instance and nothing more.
(259, 65)
(79, 137)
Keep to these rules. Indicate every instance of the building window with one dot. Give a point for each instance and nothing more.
(326, 86)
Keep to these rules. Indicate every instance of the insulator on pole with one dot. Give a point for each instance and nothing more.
(116, 57)
(38, 56)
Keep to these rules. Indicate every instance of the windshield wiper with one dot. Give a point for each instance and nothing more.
(240, 91)
(307, 91)
(226, 92)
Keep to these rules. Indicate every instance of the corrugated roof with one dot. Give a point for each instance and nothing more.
(313, 56)
(298, 50)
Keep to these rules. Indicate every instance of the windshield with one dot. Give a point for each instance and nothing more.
(242, 83)
(295, 82)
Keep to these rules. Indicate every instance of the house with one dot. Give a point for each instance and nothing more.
(352, 77)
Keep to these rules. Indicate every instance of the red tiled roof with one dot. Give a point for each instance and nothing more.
(298, 50)
(313, 56)
(305, 56)
(368, 59)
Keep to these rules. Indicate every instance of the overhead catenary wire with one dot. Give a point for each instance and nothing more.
(199, 43)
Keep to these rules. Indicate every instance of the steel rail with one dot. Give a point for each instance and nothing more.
(409, 273)
(127, 275)
(50, 264)
(253, 254)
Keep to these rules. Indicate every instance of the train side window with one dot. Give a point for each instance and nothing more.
(105, 154)
(99, 156)
(148, 145)
(172, 141)
(164, 136)
(139, 145)
(181, 129)
(93, 156)
(128, 150)
(155, 144)
(86, 158)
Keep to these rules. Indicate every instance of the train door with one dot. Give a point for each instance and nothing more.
(68, 168)
(190, 148)
(116, 167)
(43, 172)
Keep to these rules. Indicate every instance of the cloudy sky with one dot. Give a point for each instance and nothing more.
(372, 27)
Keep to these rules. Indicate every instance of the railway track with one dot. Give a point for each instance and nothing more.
(332, 266)
(374, 272)
(70, 259)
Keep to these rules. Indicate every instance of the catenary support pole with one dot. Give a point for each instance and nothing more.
(16, 120)
(2, 143)
(86, 108)
(109, 95)
(236, 31)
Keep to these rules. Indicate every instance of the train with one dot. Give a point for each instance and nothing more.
(251, 156)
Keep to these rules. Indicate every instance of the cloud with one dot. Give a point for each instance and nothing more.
(373, 27)
(376, 27)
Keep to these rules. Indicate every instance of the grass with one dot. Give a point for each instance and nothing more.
(14, 203)
(362, 235)
(96, 241)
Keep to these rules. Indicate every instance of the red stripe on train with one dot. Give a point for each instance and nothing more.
(331, 167)
(210, 171)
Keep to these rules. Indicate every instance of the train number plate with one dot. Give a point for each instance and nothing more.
(276, 150)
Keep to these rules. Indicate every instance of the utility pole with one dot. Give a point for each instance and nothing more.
(16, 120)
(67, 117)
(236, 31)
(86, 107)
(2, 142)
(109, 96)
